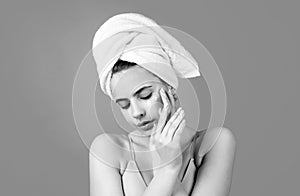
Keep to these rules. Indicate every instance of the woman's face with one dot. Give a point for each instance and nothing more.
(136, 91)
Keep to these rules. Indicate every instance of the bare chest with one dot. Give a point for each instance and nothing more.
(143, 160)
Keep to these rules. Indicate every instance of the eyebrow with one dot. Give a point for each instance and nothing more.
(137, 92)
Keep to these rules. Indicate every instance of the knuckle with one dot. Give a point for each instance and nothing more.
(173, 126)
(160, 140)
(167, 106)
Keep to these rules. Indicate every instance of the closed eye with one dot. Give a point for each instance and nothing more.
(142, 93)
(141, 97)
(125, 107)
(147, 96)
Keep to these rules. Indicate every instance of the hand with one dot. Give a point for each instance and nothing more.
(165, 141)
(174, 102)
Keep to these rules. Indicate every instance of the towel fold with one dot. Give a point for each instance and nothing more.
(135, 38)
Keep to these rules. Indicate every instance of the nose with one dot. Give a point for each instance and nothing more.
(137, 110)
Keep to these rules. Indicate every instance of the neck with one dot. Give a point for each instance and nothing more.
(141, 137)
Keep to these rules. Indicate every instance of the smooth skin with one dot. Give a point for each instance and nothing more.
(169, 130)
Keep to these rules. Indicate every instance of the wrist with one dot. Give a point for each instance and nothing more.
(167, 171)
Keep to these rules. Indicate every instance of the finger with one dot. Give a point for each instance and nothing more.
(170, 122)
(174, 98)
(167, 105)
(174, 124)
(172, 101)
(164, 112)
(180, 129)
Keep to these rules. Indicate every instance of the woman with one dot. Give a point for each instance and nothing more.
(162, 156)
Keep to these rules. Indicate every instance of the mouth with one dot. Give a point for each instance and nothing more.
(146, 124)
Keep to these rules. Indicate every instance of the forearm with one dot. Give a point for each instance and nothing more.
(179, 190)
(162, 184)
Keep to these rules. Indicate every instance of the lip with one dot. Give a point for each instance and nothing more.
(145, 124)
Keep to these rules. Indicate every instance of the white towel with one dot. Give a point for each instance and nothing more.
(135, 38)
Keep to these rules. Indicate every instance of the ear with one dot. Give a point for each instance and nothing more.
(175, 96)
(177, 101)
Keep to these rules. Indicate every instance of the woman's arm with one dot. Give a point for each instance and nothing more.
(104, 172)
(179, 189)
(162, 183)
(106, 180)
(215, 174)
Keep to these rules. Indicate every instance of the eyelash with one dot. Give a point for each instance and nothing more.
(144, 98)
(147, 97)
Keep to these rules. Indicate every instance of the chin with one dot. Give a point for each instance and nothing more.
(147, 130)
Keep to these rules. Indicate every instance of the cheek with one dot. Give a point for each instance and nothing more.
(157, 98)
(155, 103)
(126, 116)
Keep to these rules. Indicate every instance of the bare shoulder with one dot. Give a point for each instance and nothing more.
(217, 138)
(109, 148)
(108, 139)
(104, 165)
(225, 137)
(215, 162)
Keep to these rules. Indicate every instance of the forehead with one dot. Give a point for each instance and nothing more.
(126, 82)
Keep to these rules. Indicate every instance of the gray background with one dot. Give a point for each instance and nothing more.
(255, 44)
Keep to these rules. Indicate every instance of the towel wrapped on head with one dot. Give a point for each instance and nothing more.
(135, 38)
